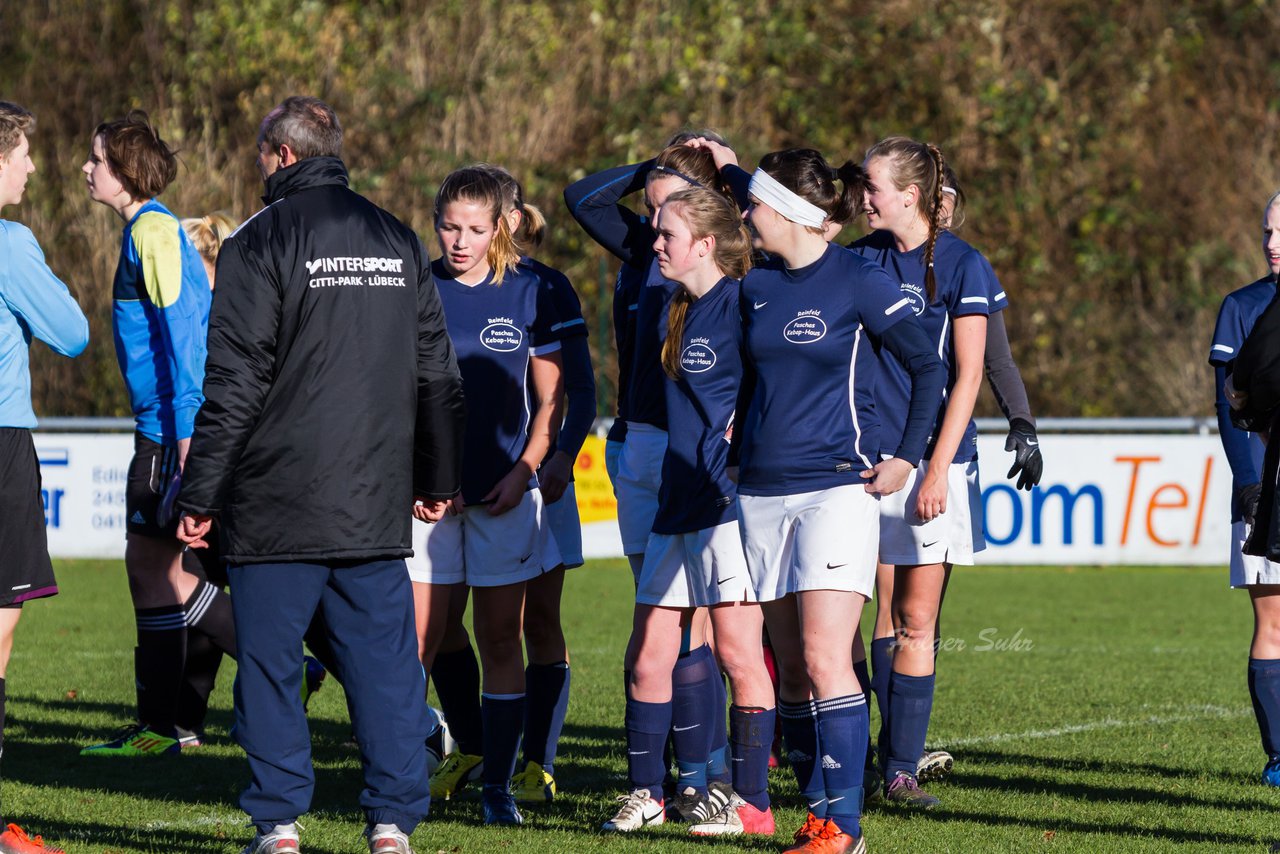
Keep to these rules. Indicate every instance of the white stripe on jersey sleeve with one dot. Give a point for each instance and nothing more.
(544, 349)
(853, 401)
(1000, 296)
(897, 305)
(1224, 348)
(982, 300)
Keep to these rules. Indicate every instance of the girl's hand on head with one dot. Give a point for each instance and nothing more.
(722, 154)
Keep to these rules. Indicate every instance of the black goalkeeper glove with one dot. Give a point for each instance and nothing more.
(1249, 497)
(1028, 465)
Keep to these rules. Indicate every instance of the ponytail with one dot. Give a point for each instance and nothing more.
(935, 218)
(503, 255)
(853, 196)
(533, 225)
(676, 315)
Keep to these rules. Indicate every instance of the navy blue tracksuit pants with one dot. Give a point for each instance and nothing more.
(367, 609)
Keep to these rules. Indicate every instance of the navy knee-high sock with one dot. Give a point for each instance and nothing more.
(647, 727)
(751, 734)
(881, 671)
(159, 660)
(718, 763)
(800, 735)
(456, 676)
(1264, 691)
(546, 703)
(692, 698)
(503, 719)
(842, 732)
(910, 704)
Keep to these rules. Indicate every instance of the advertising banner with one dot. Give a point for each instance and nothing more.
(1104, 499)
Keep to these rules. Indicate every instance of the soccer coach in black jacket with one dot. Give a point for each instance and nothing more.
(333, 412)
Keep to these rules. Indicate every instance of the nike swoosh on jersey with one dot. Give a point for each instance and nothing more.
(761, 305)
(526, 557)
(836, 565)
(929, 545)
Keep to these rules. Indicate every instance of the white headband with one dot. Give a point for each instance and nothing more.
(769, 190)
(950, 191)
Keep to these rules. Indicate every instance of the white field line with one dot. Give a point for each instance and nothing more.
(1188, 713)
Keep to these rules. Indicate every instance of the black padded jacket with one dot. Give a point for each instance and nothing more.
(332, 393)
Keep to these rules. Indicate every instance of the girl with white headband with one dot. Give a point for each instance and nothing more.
(811, 476)
(937, 520)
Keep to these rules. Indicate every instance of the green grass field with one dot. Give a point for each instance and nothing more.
(1089, 710)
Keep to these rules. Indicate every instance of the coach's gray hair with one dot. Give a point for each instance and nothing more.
(1268, 206)
(307, 125)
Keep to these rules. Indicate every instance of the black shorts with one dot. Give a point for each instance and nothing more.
(150, 472)
(25, 569)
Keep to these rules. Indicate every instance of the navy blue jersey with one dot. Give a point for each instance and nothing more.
(626, 302)
(495, 328)
(579, 380)
(963, 288)
(695, 493)
(811, 422)
(1239, 312)
(995, 291)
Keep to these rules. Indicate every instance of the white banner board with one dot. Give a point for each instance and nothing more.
(1104, 499)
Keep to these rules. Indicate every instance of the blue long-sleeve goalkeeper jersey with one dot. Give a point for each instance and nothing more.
(160, 318)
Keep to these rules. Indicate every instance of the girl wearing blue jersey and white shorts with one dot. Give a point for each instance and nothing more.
(936, 520)
(500, 319)
(1261, 577)
(811, 477)
(1011, 395)
(694, 556)
(547, 675)
(699, 699)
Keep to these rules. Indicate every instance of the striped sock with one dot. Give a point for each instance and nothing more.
(800, 734)
(842, 732)
(208, 611)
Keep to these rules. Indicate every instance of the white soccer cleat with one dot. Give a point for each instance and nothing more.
(638, 810)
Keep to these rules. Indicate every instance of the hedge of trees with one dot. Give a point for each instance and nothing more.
(1116, 156)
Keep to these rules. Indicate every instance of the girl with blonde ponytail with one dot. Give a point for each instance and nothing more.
(693, 558)
(502, 324)
(547, 675)
(936, 521)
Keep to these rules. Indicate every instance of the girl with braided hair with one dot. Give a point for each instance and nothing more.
(936, 520)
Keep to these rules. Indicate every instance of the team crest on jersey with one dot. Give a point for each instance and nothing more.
(807, 328)
(501, 335)
(915, 293)
(698, 356)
